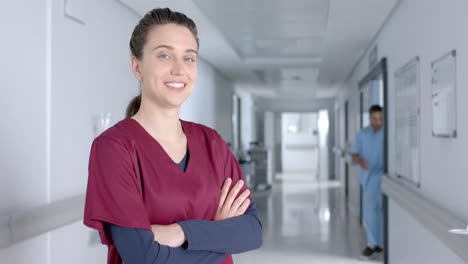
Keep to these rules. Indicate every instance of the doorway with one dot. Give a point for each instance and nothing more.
(300, 141)
(373, 89)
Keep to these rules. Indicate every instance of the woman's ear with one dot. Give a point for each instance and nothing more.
(136, 68)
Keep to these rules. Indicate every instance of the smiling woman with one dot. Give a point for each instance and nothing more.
(174, 40)
(159, 188)
(168, 71)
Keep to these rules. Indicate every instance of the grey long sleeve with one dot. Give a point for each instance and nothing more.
(234, 235)
(137, 246)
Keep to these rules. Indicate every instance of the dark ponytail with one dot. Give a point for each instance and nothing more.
(133, 106)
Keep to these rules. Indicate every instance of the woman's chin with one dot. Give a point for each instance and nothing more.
(175, 104)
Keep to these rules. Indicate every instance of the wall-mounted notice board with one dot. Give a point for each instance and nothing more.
(407, 125)
(444, 92)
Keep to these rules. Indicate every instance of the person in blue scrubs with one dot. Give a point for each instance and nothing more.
(368, 154)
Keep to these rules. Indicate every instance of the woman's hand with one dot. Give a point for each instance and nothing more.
(229, 205)
(169, 235)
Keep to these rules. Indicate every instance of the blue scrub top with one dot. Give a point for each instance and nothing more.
(369, 146)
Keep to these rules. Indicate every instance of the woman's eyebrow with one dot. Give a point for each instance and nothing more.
(193, 51)
(163, 46)
(172, 48)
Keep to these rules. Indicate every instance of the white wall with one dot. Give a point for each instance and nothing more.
(277, 151)
(269, 137)
(23, 128)
(428, 29)
(23, 87)
(57, 76)
(248, 122)
(90, 74)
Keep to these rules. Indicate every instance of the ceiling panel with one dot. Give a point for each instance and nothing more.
(270, 28)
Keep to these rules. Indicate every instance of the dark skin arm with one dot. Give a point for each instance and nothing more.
(361, 162)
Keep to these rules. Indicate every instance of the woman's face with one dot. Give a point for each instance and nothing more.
(168, 68)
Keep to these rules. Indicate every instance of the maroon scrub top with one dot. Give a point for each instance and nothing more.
(133, 182)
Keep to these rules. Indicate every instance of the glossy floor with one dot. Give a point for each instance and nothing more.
(305, 221)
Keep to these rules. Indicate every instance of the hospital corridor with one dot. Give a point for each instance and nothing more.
(306, 222)
(234, 132)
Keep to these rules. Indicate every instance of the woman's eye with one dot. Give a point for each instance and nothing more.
(189, 59)
(164, 57)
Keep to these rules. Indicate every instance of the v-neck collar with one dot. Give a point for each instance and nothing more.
(175, 165)
(184, 162)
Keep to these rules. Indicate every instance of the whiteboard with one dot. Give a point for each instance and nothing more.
(407, 124)
(444, 107)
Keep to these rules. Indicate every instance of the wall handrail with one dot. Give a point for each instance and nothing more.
(40, 220)
(434, 218)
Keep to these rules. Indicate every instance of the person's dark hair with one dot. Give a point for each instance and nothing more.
(155, 17)
(375, 108)
(133, 106)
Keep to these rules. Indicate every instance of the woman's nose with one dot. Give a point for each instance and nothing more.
(178, 68)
